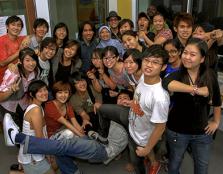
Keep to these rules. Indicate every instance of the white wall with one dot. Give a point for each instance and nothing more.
(42, 11)
(112, 5)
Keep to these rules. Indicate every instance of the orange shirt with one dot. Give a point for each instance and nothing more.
(52, 114)
(8, 47)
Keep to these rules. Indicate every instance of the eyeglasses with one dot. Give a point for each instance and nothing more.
(152, 62)
(109, 58)
(173, 52)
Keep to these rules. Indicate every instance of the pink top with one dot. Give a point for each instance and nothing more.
(165, 33)
(9, 78)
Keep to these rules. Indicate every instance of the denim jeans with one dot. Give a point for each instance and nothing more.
(65, 150)
(200, 146)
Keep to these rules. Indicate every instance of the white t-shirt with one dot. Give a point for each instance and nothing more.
(154, 102)
(45, 69)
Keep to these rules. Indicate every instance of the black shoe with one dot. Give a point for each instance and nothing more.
(16, 167)
(94, 135)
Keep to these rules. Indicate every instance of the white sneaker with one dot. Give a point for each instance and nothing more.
(118, 140)
(10, 130)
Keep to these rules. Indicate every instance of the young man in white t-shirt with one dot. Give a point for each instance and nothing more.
(48, 50)
(149, 111)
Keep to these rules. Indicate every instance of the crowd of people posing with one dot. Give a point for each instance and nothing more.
(113, 87)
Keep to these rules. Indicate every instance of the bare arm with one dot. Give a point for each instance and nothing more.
(214, 123)
(97, 86)
(85, 118)
(36, 117)
(15, 56)
(10, 59)
(76, 124)
(108, 81)
(176, 86)
(94, 81)
(66, 123)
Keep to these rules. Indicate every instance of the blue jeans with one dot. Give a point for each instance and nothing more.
(200, 146)
(65, 150)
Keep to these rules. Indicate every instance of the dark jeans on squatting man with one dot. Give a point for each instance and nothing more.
(120, 115)
(178, 143)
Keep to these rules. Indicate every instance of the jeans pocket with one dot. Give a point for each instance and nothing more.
(171, 136)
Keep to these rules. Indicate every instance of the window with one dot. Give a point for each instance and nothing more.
(73, 12)
(19, 7)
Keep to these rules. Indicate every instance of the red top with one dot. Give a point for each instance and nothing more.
(8, 47)
(52, 114)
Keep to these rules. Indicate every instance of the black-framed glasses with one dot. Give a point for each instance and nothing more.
(109, 58)
(152, 62)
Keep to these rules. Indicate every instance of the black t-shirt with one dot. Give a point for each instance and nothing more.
(190, 114)
(63, 72)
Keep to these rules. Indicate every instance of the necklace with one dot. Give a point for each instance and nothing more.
(190, 79)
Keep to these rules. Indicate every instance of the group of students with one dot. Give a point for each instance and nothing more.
(65, 89)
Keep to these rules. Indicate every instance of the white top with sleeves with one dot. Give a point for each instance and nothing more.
(28, 158)
(154, 101)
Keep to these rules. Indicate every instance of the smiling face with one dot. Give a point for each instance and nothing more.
(29, 64)
(48, 52)
(125, 27)
(191, 57)
(130, 41)
(14, 28)
(81, 85)
(174, 54)
(62, 96)
(110, 59)
(96, 61)
(87, 33)
(184, 30)
(122, 98)
(158, 22)
(61, 33)
(105, 34)
(41, 30)
(113, 22)
(130, 66)
(70, 52)
(42, 95)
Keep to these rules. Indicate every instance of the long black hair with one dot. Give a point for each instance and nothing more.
(61, 25)
(22, 54)
(205, 74)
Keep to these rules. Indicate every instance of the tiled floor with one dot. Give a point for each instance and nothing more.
(8, 156)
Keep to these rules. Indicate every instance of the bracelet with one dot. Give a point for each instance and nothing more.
(195, 90)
